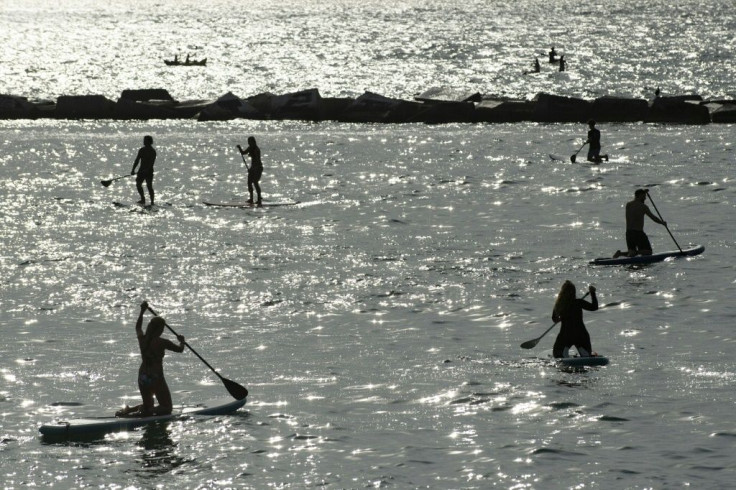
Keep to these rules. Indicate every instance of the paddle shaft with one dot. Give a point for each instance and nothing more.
(243, 157)
(190, 347)
(529, 344)
(663, 221)
(572, 158)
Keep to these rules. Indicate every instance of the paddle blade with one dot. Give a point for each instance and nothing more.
(573, 157)
(530, 344)
(106, 183)
(237, 391)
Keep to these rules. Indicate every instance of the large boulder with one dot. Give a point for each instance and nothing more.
(504, 111)
(371, 107)
(147, 94)
(436, 112)
(332, 108)
(84, 107)
(304, 105)
(684, 109)
(722, 111)
(556, 108)
(158, 109)
(443, 94)
(228, 107)
(14, 107)
(619, 109)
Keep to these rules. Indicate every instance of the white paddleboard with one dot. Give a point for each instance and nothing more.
(244, 204)
(648, 259)
(104, 425)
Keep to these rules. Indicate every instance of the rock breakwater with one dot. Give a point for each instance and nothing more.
(435, 106)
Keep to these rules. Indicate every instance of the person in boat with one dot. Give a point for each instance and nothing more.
(637, 242)
(176, 59)
(568, 310)
(151, 381)
(186, 62)
(594, 144)
(255, 170)
(146, 157)
(552, 55)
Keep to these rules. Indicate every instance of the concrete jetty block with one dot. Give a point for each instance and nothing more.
(556, 108)
(504, 111)
(15, 107)
(684, 109)
(619, 109)
(144, 95)
(84, 107)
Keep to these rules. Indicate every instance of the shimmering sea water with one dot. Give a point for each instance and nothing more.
(377, 323)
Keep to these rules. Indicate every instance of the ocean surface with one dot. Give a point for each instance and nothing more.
(377, 323)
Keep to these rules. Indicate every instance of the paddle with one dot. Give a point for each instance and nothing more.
(663, 221)
(237, 391)
(106, 183)
(243, 157)
(573, 157)
(530, 344)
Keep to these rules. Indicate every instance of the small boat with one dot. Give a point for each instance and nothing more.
(648, 259)
(104, 425)
(176, 62)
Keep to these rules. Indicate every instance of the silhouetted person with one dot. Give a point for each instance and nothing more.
(186, 62)
(594, 144)
(637, 242)
(568, 309)
(552, 55)
(563, 63)
(255, 170)
(657, 93)
(146, 157)
(151, 381)
(537, 67)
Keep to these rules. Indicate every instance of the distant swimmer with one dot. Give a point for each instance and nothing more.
(151, 381)
(552, 55)
(255, 170)
(637, 242)
(568, 310)
(146, 157)
(594, 142)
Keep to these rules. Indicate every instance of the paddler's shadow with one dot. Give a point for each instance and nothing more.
(159, 450)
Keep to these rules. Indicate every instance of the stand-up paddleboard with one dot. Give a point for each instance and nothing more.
(582, 361)
(556, 158)
(648, 259)
(104, 425)
(243, 204)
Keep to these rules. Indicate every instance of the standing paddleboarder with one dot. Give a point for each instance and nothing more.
(151, 381)
(255, 170)
(146, 157)
(568, 310)
(637, 242)
(594, 142)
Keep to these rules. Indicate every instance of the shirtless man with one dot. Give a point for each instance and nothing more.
(637, 241)
(146, 157)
